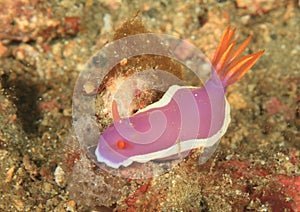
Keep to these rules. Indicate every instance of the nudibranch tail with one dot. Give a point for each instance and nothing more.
(228, 64)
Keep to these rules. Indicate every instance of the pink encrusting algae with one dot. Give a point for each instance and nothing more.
(183, 119)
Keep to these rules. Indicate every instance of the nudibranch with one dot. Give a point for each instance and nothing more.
(183, 119)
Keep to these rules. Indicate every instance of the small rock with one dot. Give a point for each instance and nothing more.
(9, 174)
(60, 177)
(48, 188)
(237, 100)
(89, 88)
(107, 23)
(26, 53)
(3, 50)
(259, 6)
(70, 206)
(245, 19)
(57, 49)
(18, 204)
(30, 167)
(69, 49)
(67, 112)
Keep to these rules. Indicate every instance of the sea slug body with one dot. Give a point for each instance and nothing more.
(183, 119)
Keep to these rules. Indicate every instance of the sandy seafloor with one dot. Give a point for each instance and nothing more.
(43, 48)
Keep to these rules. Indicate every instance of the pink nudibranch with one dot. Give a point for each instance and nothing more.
(183, 119)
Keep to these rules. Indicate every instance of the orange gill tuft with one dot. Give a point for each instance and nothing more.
(229, 65)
